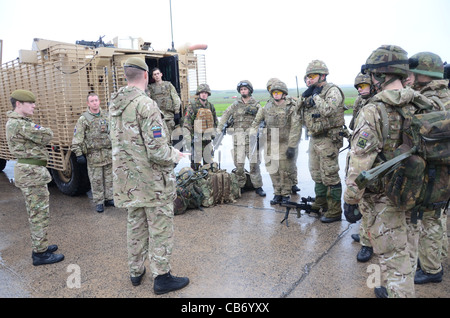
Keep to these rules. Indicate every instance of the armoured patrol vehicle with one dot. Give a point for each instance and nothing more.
(62, 74)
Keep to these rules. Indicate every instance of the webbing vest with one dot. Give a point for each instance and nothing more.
(161, 94)
(312, 116)
(97, 133)
(203, 120)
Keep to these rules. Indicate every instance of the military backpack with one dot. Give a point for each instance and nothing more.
(422, 181)
(189, 193)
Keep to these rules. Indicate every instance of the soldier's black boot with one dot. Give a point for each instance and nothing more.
(355, 237)
(285, 199)
(276, 199)
(295, 189)
(46, 258)
(136, 281)
(364, 254)
(109, 203)
(260, 192)
(381, 292)
(99, 208)
(422, 278)
(167, 283)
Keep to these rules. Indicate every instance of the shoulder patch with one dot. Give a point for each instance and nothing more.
(362, 142)
(157, 133)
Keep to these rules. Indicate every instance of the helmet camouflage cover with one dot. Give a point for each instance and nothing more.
(279, 86)
(427, 63)
(387, 59)
(245, 83)
(203, 88)
(362, 79)
(270, 82)
(316, 67)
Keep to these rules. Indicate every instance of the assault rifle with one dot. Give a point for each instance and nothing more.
(365, 178)
(218, 140)
(254, 140)
(304, 205)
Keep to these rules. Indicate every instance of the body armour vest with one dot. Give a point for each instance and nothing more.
(97, 133)
(161, 95)
(318, 124)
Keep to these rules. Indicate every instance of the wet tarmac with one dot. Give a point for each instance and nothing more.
(238, 250)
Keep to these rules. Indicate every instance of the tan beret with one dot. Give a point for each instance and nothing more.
(23, 96)
(136, 62)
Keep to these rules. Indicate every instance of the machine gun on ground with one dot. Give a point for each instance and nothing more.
(304, 205)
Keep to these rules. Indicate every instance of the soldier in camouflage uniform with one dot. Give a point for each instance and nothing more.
(283, 135)
(144, 179)
(243, 112)
(365, 92)
(199, 127)
(166, 96)
(293, 172)
(389, 226)
(322, 105)
(27, 142)
(426, 76)
(91, 138)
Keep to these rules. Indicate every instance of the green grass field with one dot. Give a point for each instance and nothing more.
(223, 99)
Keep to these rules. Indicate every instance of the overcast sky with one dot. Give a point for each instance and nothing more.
(247, 39)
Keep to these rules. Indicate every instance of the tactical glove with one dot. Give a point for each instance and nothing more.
(290, 153)
(308, 92)
(317, 90)
(81, 160)
(351, 212)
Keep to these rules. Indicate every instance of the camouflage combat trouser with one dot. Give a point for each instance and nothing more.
(281, 180)
(37, 203)
(150, 232)
(101, 179)
(293, 168)
(391, 235)
(365, 206)
(239, 153)
(324, 161)
(433, 242)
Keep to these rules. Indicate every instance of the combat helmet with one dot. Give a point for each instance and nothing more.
(270, 82)
(203, 88)
(245, 83)
(387, 59)
(316, 67)
(362, 79)
(427, 63)
(279, 86)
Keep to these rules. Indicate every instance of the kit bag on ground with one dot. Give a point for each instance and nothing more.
(248, 181)
(218, 186)
(422, 181)
(189, 193)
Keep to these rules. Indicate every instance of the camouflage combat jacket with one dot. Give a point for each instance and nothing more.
(437, 91)
(378, 129)
(27, 140)
(243, 115)
(91, 137)
(359, 103)
(143, 174)
(165, 95)
(326, 117)
(283, 125)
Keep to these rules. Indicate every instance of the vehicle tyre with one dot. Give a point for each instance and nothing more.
(74, 180)
(2, 164)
